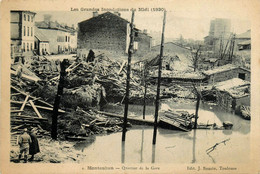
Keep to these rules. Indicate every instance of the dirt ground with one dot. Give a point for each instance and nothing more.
(52, 151)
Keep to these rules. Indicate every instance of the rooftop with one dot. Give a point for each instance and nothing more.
(246, 42)
(222, 69)
(245, 35)
(54, 25)
(39, 35)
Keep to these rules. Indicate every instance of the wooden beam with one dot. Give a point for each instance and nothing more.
(35, 109)
(28, 117)
(122, 66)
(38, 106)
(15, 94)
(35, 98)
(23, 105)
(12, 111)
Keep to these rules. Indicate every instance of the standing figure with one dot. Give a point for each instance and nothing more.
(34, 146)
(24, 143)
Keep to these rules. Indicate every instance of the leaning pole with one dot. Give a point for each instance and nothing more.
(130, 50)
(159, 82)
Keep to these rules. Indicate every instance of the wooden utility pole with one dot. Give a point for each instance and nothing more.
(130, 51)
(63, 66)
(159, 81)
(145, 91)
(197, 110)
(199, 95)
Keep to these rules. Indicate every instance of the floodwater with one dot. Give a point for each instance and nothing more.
(173, 146)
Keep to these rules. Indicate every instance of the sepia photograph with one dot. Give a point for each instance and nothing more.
(130, 88)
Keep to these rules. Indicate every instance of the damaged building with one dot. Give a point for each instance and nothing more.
(110, 32)
(226, 72)
(231, 94)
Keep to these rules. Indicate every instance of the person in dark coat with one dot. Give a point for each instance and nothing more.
(24, 142)
(91, 56)
(34, 146)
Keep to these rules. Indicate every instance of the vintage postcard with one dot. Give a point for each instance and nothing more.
(130, 86)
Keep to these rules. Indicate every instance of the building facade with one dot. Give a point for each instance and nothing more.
(61, 37)
(41, 43)
(219, 33)
(22, 31)
(110, 32)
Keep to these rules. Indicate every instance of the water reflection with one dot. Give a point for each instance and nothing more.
(84, 144)
(175, 146)
(153, 153)
(194, 147)
(123, 152)
(142, 146)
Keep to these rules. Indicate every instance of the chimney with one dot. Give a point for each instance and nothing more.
(73, 26)
(117, 13)
(95, 14)
(145, 31)
(47, 18)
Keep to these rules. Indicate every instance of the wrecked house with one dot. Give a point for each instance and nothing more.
(231, 94)
(110, 32)
(226, 72)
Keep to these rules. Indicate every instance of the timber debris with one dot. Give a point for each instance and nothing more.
(209, 150)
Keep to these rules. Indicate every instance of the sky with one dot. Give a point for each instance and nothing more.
(190, 22)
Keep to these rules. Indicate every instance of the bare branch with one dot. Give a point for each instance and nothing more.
(214, 147)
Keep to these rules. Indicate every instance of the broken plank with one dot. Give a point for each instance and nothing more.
(24, 121)
(12, 111)
(15, 94)
(35, 98)
(28, 117)
(122, 66)
(38, 106)
(17, 127)
(23, 105)
(35, 109)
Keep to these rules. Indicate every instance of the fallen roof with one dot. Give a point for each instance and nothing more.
(235, 87)
(223, 68)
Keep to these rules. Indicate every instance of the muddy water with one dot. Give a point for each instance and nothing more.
(173, 146)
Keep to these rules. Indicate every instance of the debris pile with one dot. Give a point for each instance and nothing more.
(244, 111)
(80, 124)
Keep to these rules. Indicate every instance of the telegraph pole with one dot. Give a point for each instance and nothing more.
(145, 91)
(63, 66)
(159, 81)
(130, 51)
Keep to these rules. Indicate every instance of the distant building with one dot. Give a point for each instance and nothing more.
(22, 32)
(61, 37)
(220, 30)
(243, 41)
(110, 32)
(226, 72)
